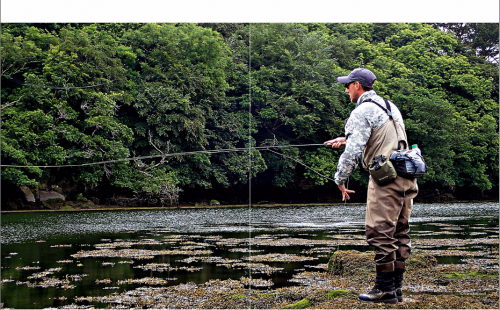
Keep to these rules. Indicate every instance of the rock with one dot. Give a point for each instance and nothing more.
(420, 260)
(53, 196)
(350, 263)
(57, 189)
(28, 195)
(440, 279)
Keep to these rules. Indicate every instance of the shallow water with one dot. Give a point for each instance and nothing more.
(87, 244)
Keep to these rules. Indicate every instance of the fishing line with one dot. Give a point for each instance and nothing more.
(242, 149)
(298, 161)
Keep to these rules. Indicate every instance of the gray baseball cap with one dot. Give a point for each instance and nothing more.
(362, 75)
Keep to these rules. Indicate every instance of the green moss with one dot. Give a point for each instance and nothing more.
(67, 208)
(304, 303)
(470, 275)
(237, 296)
(336, 293)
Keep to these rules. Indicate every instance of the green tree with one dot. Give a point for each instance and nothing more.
(446, 102)
(179, 86)
(62, 91)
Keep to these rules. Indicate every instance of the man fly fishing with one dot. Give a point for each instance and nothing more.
(375, 127)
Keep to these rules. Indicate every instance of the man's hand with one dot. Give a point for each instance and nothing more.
(345, 192)
(336, 143)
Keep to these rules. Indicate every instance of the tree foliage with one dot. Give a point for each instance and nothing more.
(80, 93)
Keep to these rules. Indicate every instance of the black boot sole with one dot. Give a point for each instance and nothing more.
(385, 301)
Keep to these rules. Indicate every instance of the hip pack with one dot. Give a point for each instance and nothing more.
(382, 170)
(406, 163)
(409, 164)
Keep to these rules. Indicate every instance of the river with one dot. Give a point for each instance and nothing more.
(49, 258)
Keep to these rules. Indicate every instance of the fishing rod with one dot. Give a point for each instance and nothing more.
(242, 149)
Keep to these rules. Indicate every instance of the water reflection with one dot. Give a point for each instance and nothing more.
(18, 227)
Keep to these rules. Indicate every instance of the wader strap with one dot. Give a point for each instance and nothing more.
(389, 113)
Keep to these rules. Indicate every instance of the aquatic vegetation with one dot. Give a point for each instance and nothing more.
(165, 267)
(245, 250)
(137, 253)
(105, 281)
(451, 252)
(278, 257)
(127, 244)
(317, 250)
(45, 273)
(317, 279)
(434, 243)
(257, 268)
(320, 266)
(49, 282)
(484, 262)
(147, 281)
(76, 277)
(149, 269)
(256, 282)
(28, 268)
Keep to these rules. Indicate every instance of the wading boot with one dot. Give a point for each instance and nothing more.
(398, 283)
(383, 291)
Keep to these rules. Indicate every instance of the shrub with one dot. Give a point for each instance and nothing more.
(79, 197)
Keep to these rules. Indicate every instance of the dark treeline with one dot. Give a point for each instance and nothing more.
(81, 93)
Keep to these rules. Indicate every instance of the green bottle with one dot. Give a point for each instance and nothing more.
(415, 147)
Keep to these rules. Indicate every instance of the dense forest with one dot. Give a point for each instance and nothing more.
(84, 93)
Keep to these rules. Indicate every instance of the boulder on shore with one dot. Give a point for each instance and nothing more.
(28, 195)
(355, 263)
(46, 195)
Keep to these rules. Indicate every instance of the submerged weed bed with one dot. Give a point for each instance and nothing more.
(279, 266)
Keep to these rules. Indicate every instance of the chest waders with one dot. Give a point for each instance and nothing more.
(388, 210)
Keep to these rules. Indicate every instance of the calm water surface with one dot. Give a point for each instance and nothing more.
(58, 246)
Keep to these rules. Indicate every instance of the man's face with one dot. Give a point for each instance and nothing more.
(354, 90)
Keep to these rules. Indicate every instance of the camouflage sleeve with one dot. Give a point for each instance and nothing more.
(358, 131)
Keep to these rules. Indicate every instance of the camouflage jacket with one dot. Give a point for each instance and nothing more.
(365, 118)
